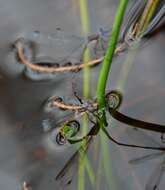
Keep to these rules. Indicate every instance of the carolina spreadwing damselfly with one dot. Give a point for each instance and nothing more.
(68, 131)
(51, 67)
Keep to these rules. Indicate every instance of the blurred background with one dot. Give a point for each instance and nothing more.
(27, 151)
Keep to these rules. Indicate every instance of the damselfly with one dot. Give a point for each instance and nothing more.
(68, 131)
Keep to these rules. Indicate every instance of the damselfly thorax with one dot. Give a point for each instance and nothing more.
(113, 102)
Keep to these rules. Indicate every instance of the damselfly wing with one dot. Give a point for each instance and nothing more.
(66, 175)
(157, 174)
(146, 158)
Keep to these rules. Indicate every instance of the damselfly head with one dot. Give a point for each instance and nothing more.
(74, 127)
(114, 99)
(68, 131)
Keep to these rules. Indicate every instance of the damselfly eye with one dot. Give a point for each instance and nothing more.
(114, 99)
(61, 139)
(74, 127)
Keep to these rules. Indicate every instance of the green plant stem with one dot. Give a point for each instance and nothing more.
(83, 161)
(84, 16)
(103, 80)
(109, 54)
(102, 85)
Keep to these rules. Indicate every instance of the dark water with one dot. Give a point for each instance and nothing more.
(27, 150)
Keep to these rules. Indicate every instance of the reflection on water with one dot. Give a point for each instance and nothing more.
(26, 149)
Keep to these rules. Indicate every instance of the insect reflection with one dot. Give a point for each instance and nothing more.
(44, 68)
